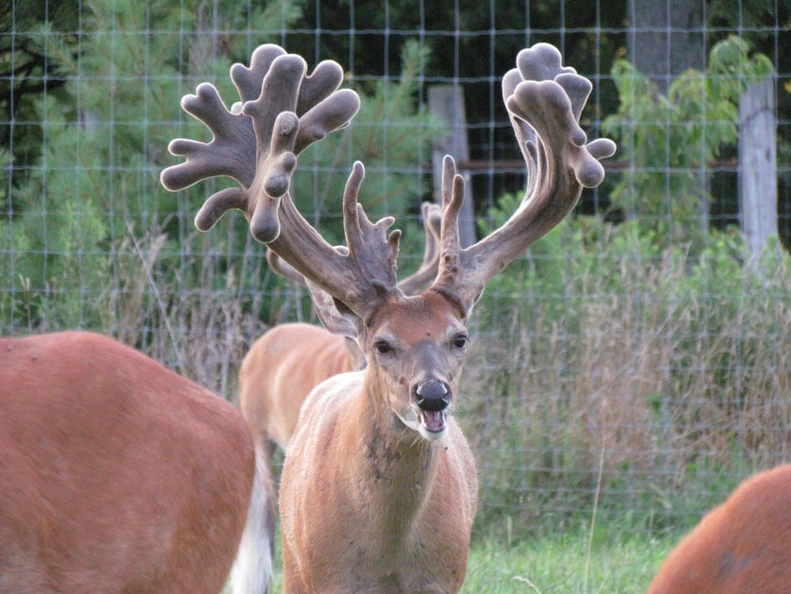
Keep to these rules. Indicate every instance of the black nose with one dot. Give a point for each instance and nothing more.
(433, 395)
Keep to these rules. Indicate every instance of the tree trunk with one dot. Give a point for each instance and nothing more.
(666, 38)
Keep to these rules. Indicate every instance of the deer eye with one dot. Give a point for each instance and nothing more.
(383, 347)
(460, 341)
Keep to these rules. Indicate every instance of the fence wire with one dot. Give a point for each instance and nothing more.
(643, 332)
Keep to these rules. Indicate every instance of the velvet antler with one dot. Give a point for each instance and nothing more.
(282, 112)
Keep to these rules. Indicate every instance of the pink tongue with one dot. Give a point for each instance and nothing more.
(434, 421)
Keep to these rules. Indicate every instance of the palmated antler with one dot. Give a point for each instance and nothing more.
(282, 112)
(544, 101)
(411, 285)
(543, 98)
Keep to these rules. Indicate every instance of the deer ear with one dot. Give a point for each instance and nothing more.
(334, 315)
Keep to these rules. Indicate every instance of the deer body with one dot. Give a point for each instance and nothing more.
(742, 546)
(116, 474)
(371, 526)
(281, 369)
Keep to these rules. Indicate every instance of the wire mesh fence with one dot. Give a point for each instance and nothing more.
(639, 351)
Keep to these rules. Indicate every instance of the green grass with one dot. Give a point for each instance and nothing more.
(621, 561)
(560, 563)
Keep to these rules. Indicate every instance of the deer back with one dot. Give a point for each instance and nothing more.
(740, 547)
(281, 369)
(117, 475)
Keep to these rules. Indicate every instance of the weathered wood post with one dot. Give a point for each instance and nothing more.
(447, 101)
(758, 164)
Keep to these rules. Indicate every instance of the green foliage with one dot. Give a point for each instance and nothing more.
(391, 135)
(578, 253)
(106, 137)
(671, 140)
(27, 71)
(741, 13)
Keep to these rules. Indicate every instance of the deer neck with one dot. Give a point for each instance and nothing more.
(396, 468)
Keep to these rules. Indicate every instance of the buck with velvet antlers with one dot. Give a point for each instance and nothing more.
(378, 492)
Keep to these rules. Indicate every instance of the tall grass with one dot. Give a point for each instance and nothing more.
(677, 372)
(200, 322)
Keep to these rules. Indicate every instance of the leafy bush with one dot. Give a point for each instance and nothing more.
(671, 140)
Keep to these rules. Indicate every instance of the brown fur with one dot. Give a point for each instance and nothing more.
(116, 474)
(741, 547)
(367, 504)
(281, 369)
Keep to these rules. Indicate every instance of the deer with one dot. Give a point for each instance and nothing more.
(379, 487)
(289, 360)
(118, 475)
(740, 547)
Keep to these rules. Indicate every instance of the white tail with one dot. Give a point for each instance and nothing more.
(378, 491)
(288, 361)
(116, 474)
(741, 547)
(252, 571)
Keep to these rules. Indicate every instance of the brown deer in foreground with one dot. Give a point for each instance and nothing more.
(741, 547)
(119, 476)
(289, 360)
(379, 488)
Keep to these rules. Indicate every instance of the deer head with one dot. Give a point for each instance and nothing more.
(415, 345)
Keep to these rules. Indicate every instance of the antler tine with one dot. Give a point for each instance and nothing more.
(248, 81)
(544, 101)
(412, 284)
(427, 272)
(357, 275)
(372, 251)
(233, 136)
(282, 112)
(284, 269)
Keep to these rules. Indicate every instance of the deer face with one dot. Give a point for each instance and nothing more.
(415, 348)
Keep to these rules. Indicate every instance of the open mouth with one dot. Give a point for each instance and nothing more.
(433, 421)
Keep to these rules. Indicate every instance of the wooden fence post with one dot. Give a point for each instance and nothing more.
(447, 101)
(758, 164)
